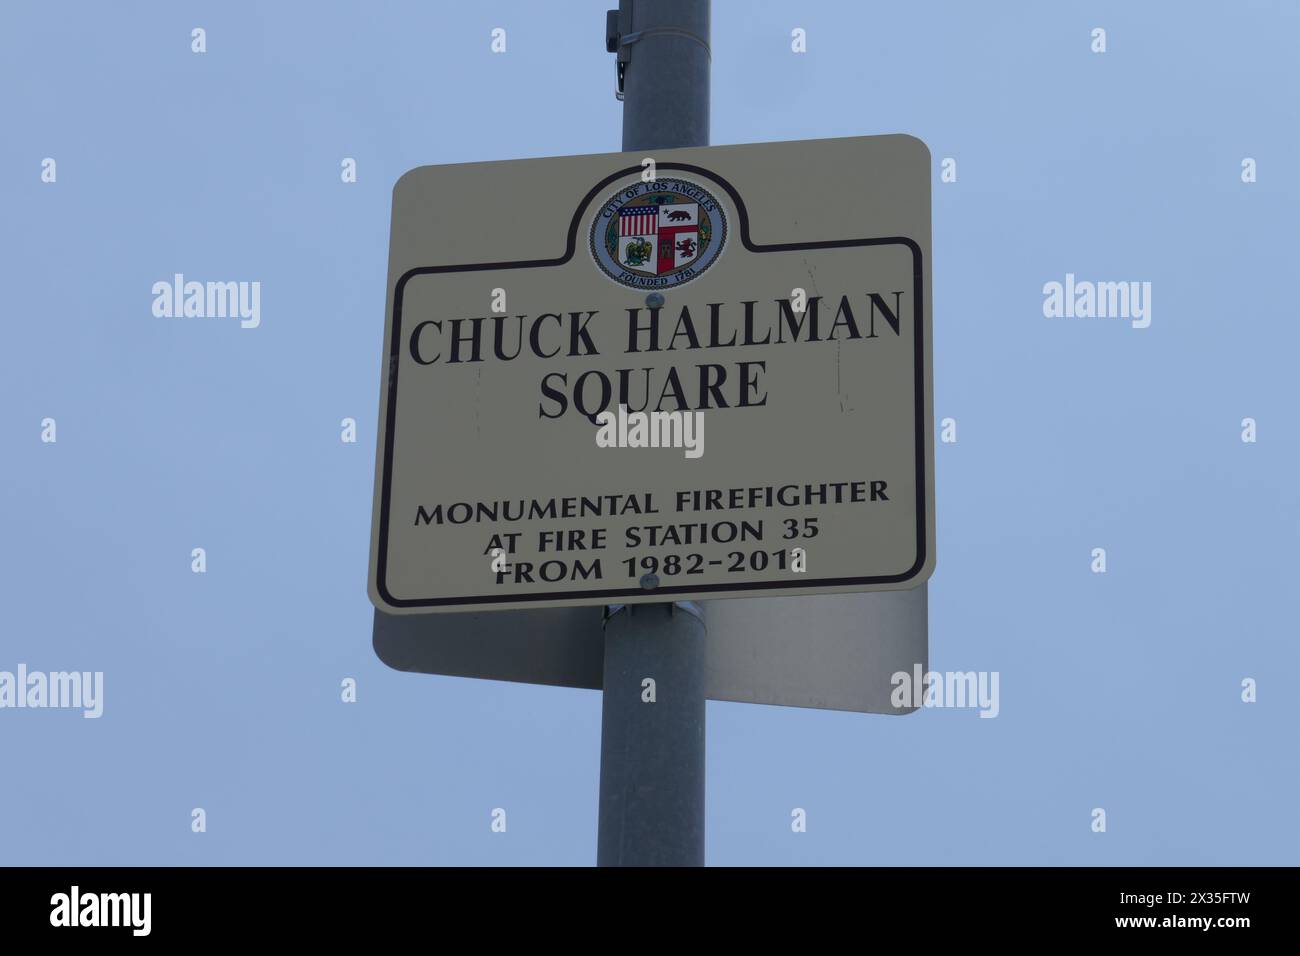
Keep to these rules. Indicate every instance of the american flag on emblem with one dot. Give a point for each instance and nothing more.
(638, 221)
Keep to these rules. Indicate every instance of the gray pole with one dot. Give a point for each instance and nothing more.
(652, 753)
(663, 56)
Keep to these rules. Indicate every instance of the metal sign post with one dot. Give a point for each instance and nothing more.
(780, 288)
(652, 712)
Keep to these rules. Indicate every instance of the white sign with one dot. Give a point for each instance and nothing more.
(602, 388)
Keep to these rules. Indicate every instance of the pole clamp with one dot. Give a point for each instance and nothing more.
(619, 35)
(676, 607)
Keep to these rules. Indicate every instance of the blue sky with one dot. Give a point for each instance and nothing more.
(1119, 690)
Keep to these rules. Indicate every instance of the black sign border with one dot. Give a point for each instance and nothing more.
(742, 214)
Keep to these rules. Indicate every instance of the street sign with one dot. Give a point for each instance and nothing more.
(831, 652)
(693, 374)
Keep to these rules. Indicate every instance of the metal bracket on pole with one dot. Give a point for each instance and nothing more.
(619, 35)
(618, 24)
(683, 607)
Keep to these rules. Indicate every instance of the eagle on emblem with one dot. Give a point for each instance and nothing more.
(637, 252)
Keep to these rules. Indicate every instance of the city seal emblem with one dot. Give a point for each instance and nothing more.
(658, 235)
